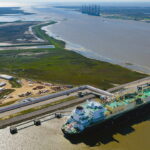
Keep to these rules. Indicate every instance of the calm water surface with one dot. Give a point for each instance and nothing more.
(117, 41)
(50, 137)
(112, 40)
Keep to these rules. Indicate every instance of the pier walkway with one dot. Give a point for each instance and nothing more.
(18, 119)
(130, 85)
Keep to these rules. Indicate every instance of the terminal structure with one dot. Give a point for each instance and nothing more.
(92, 113)
(93, 10)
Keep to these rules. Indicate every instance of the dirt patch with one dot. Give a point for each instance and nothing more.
(28, 89)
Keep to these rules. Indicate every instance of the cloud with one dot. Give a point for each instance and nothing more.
(11, 3)
(8, 3)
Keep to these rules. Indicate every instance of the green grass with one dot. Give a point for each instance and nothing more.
(42, 34)
(6, 92)
(11, 33)
(117, 16)
(15, 83)
(62, 66)
(65, 67)
(8, 103)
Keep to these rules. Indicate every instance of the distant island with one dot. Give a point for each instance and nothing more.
(12, 10)
(114, 12)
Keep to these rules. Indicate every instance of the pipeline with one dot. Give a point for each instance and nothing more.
(55, 95)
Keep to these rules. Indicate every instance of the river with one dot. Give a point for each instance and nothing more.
(123, 42)
(49, 137)
(117, 41)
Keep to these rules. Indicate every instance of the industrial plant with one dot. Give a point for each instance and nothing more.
(93, 10)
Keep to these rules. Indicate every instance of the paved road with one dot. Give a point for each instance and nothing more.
(56, 107)
(36, 105)
(50, 109)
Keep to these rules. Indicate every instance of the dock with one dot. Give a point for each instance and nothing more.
(91, 92)
(19, 119)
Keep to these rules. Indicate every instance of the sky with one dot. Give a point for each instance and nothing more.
(5, 3)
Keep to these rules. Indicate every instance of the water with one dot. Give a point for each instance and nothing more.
(121, 42)
(49, 137)
(118, 41)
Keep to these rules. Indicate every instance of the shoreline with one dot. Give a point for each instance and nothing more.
(60, 46)
(70, 100)
(92, 55)
(25, 37)
(63, 68)
(88, 53)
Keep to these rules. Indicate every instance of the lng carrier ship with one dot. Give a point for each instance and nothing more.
(94, 112)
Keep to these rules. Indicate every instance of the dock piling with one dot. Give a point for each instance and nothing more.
(13, 130)
(37, 122)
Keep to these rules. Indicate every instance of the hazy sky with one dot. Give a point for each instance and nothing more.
(75, 0)
(18, 2)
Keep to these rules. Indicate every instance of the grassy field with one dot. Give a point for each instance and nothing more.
(15, 83)
(6, 92)
(62, 66)
(42, 34)
(65, 67)
(17, 33)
